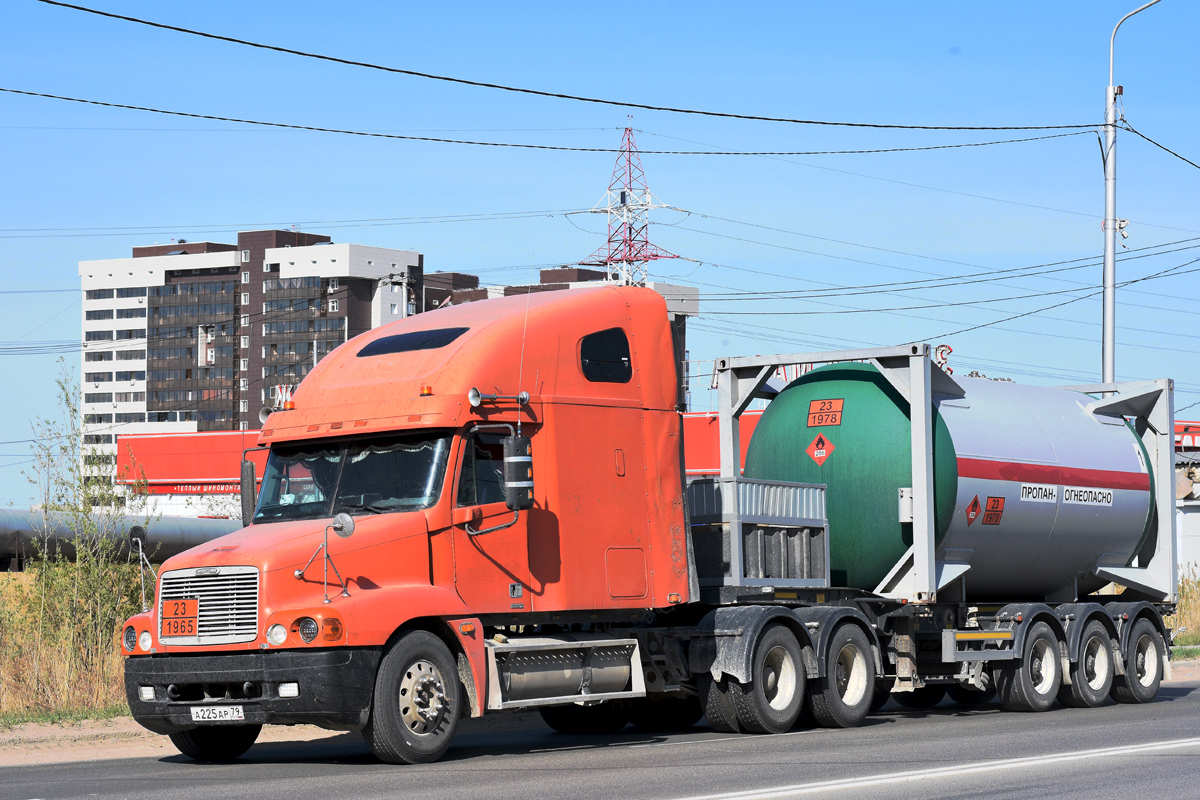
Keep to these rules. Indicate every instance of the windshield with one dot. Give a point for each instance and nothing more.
(372, 476)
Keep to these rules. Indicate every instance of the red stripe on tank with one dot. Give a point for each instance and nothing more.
(986, 469)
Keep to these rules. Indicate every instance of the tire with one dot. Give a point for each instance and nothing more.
(717, 704)
(417, 701)
(1143, 665)
(843, 697)
(772, 701)
(667, 714)
(883, 693)
(216, 742)
(1031, 682)
(600, 719)
(969, 697)
(1092, 675)
(927, 696)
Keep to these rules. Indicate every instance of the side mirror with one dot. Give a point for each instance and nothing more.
(518, 473)
(343, 525)
(249, 501)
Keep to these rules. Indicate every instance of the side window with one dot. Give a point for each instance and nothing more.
(604, 357)
(482, 478)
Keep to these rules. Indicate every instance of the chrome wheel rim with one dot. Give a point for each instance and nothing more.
(779, 678)
(1096, 661)
(1043, 666)
(1145, 657)
(422, 697)
(850, 675)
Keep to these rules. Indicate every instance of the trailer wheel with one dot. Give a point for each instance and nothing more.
(216, 742)
(1092, 674)
(415, 711)
(970, 697)
(718, 705)
(1143, 665)
(660, 715)
(600, 719)
(772, 701)
(927, 696)
(1031, 683)
(883, 693)
(843, 697)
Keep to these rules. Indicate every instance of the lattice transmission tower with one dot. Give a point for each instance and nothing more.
(627, 203)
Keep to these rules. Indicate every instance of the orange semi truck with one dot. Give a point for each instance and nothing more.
(513, 529)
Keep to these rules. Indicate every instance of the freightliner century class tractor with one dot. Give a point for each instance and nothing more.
(513, 529)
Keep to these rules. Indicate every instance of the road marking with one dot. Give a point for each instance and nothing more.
(796, 790)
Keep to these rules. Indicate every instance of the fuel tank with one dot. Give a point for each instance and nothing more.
(1031, 489)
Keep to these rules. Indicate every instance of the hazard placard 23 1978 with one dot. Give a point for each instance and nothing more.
(825, 412)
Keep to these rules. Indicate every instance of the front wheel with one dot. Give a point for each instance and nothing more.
(216, 742)
(415, 711)
(1143, 665)
(843, 697)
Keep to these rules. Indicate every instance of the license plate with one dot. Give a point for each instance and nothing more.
(180, 617)
(217, 714)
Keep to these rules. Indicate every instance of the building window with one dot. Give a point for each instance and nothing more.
(97, 397)
(97, 377)
(245, 256)
(244, 405)
(245, 364)
(105, 355)
(104, 313)
(245, 277)
(245, 320)
(333, 305)
(99, 294)
(245, 425)
(245, 341)
(395, 309)
(245, 298)
(334, 284)
(245, 384)
(97, 336)
(395, 288)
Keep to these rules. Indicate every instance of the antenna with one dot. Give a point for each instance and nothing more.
(521, 363)
(627, 203)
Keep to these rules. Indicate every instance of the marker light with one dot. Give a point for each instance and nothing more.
(276, 634)
(144, 640)
(333, 629)
(290, 689)
(426, 390)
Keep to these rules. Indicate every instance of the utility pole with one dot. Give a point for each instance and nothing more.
(1111, 223)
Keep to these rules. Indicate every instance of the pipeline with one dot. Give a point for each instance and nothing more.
(25, 533)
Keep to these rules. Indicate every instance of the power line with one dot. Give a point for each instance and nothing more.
(520, 145)
(541, 93)
(1164, 148)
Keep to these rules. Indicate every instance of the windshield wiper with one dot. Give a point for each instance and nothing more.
(371, 507)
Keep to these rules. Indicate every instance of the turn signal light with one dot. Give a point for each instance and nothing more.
(333, 629)
(467, 628)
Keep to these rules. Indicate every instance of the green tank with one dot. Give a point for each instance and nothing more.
(863, 424)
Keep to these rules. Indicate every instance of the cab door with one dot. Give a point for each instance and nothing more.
(491, 561)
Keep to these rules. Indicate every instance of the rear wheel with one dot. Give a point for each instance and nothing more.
(216, 742)
(927, 696)
(1031, 682)
(603, 718)
(771, 702)
(1092, 674)
(843, 697)
(1143, 665)
(415, 711)
(717, 704)
(666, 714)
(883, 693)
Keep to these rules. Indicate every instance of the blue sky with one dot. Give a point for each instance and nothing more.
(945, 213)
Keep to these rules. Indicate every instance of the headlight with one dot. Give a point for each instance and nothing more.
(308, 629)
(130, 638)
(144, 640)
(276, 634)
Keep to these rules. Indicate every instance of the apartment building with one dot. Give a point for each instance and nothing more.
(195, 336)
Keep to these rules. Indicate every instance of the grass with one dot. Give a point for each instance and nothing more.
(62, 716)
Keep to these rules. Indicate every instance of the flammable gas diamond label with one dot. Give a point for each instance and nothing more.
(820, 449)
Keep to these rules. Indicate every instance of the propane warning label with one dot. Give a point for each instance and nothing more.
(994, 511)
(825, 412)
(1039, 493)
(973, 509)
(1087, 497)
(820, 449)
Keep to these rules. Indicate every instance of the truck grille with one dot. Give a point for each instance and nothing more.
(228, 603)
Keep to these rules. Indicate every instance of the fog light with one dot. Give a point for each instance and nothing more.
(289, 690)
(277, 634)
(146, 693)
(144, 640)
(130, 638)
(308, 629)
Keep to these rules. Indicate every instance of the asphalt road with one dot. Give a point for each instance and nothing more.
(1139, 752)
